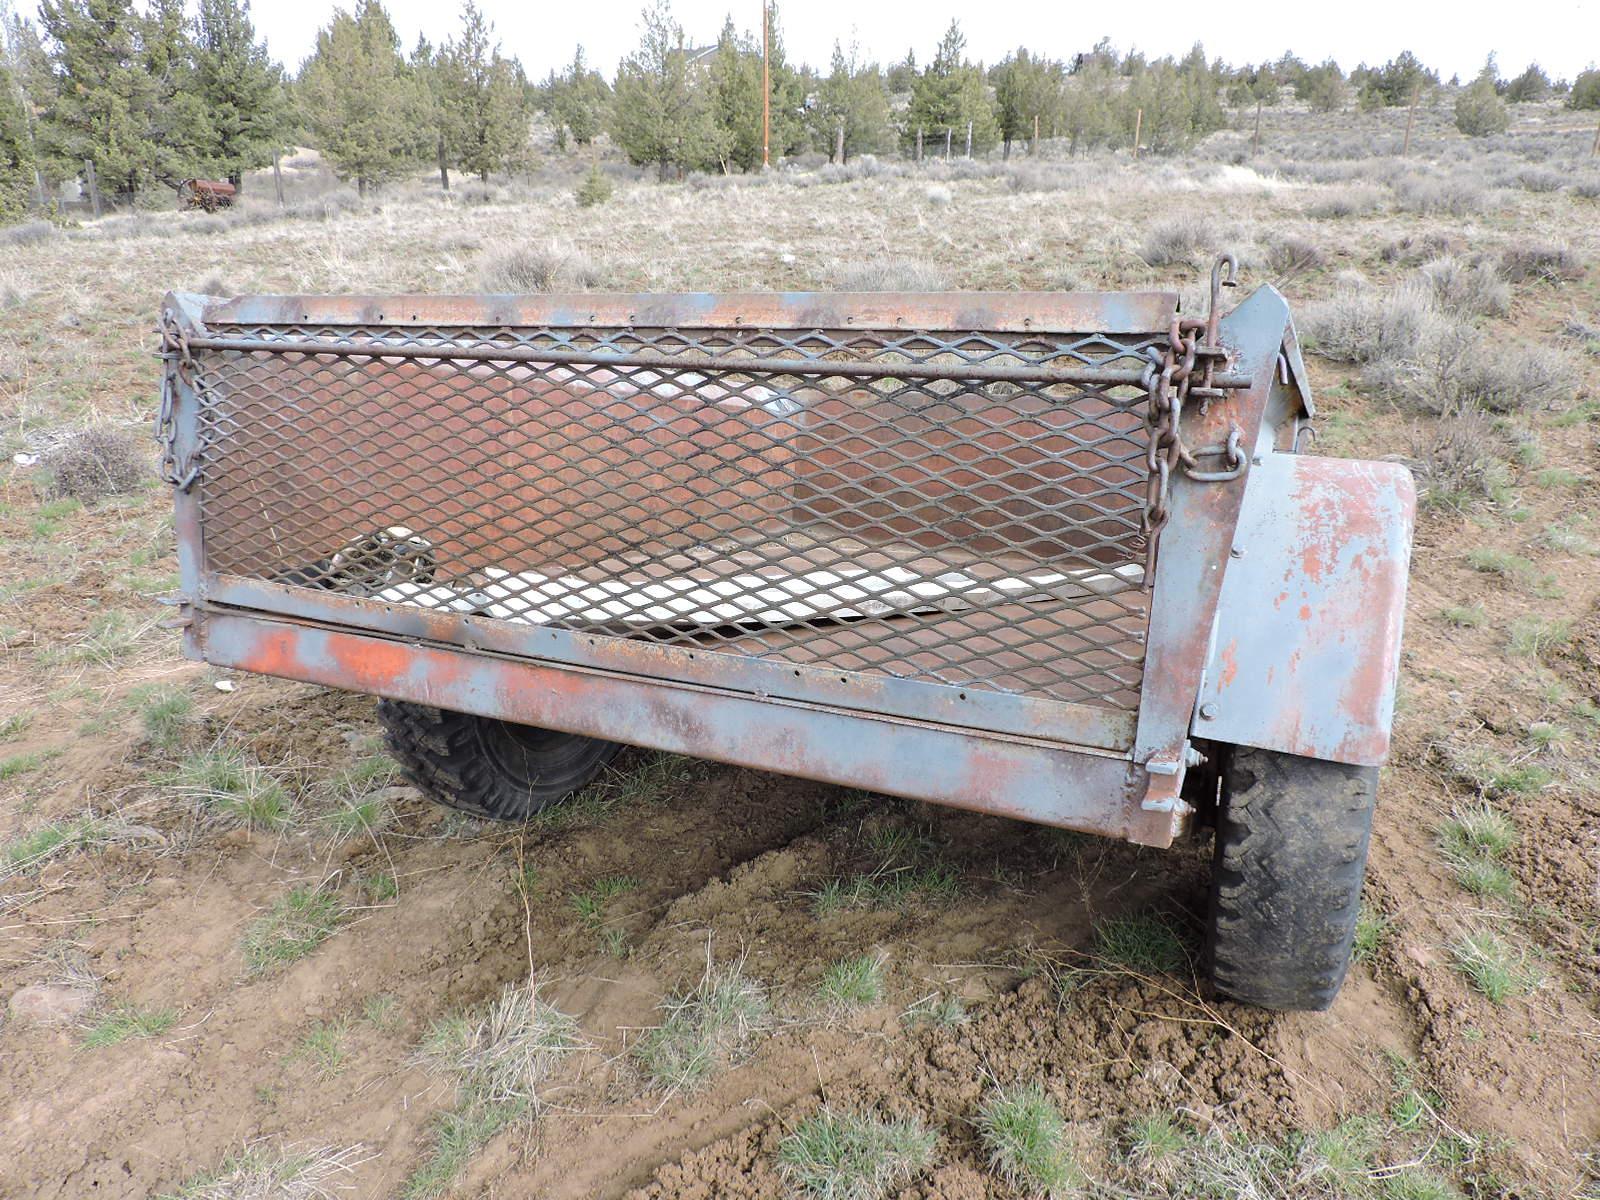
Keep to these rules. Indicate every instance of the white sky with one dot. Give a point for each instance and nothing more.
(1562, 35)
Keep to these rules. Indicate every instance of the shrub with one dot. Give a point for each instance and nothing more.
(1480, 111)
(1471, 289)
(1345, 202)
(1025, 1136)
(475, 191)
(1459, 197)
(1540, 179)
(1178, 240)
(1457, 460)
(1360, 324)
(595, 189)
(1288, 255)
(524, 269)
(842, 1155)
(889, 275)
(94, 463)
(29, 233)
(1549, 262)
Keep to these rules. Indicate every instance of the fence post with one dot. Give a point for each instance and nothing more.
(1411, 116)
(919, 143)
(1255, 142)
(1138, 124)
(277, 177)
(1033, 146)
(969, 139)
(94, 186)
(838, 143)
(948, 134)
(1594, 150)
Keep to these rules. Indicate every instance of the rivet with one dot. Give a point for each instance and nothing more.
(1208, 712)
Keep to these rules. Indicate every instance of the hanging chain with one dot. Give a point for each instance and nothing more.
(1182, 370)
(180, 366)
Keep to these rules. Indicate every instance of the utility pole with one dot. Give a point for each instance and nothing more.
(766, 89)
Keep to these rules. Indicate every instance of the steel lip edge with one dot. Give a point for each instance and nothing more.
(1102, 376)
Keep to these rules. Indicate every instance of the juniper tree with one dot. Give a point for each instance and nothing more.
(242, 88)
(16, 151)
(853, 97)
(952, 93)
(483, 98)
(660, 114)
(576, 102)
(1027, 92)
(357, 91)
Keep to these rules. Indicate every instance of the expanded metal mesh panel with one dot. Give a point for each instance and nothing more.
(963, 530)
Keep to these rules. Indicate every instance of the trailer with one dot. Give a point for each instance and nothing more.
(1054, 557)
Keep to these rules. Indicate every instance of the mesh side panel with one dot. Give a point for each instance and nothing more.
(970, 532)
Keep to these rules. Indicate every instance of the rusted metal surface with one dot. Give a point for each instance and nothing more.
(996, 312)
(207, 194)
(973, 549)
(1307, 648)
(1012, 777)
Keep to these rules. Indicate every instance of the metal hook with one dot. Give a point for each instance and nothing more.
(1230, 261)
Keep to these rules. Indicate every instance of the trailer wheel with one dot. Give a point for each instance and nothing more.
(1292, 837)
(486, 767)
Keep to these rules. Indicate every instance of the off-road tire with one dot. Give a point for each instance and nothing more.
(486, 767)
(1292, 837)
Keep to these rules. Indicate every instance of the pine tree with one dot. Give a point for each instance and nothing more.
(659, 114)
(853, 97)
(16, 151)
(576, 102)
(484, 98)
(1027, 92)
(104, 110)
(242, 89)
(180, 128)
(357, 91)
(950, 94)
(427, 115)
(1479, 110)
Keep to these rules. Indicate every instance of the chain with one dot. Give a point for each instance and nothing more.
(180, 366)
(1171, 380)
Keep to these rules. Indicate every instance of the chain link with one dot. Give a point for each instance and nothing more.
(1171, 380)
(180, 366)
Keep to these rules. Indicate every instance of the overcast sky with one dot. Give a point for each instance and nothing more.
(1562, 35)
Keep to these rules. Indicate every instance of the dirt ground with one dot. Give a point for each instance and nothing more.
(146, 907)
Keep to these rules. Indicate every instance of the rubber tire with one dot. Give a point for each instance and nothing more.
(1292, 839)
(486, 767)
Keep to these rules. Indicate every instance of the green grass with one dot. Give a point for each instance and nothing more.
(14, 726)
(1493, 967)
(1372, 930)
(1537, 637)
(381, 1011)
(260, 1172)
(291, 929)
(50, 519)
(590, 903)
(851, 1155)
(1469, 616)
(704, 1030)
(946, 1010)
(111, 636)
(164, 712)
(1473, 840)
(1025, 1138)
(499, 1058)
(649, 781)
(852, 983)
(1145, 944)
(37, 847)
(1559, 477)
(323, 1047)
(1418, 1183)
(225, 781)
(129, 1022)
(23, 764)
(358, 817)
(380, 887)
(889, 888)
(1516, 780)
(1493, 561)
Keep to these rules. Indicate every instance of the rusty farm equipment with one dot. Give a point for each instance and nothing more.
(1056, 557)
(206, 194)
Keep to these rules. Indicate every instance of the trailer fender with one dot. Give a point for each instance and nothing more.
(1305, 649)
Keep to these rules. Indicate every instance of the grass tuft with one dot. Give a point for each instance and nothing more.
(291, 929)
(260, 1172)
(852, 983)
(224, 781)
(129, 1022)
(706, 1029)
(1146, 944)
(848, 1155)
(1025, 1137)
(1492, 967)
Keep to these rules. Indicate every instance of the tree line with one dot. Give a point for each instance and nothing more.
(152, 95)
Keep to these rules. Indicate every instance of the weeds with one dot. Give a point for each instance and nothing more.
(849, 1155)
(1473, 840)
(123, 1023)
(15, 765)
(224, 781)
(1536, 637)
(1372, 930)
(943, 1009)
(291, 929)
(703, 1030)
(889, 275)
(1143, 944)
(1492, 967)
(323, 1047)
(290, 1172)
(527, 269)
(851, 983)
(886, 888)
(1025, 1137)
(31, 850)
(1180, 240)
(92, 464)
(164, 713)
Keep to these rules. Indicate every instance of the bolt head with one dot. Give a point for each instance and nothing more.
(1208, 712)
